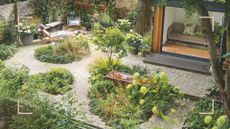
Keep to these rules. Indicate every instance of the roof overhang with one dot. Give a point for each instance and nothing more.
(209, 5)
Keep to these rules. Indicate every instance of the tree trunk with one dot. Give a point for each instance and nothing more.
(217, 70)
(226, 92)
(144, 21)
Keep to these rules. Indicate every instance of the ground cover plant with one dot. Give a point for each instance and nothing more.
(7, 40)
(66, 51)
(218, 120)
(126, 106)
(45, 113)
(55, 81)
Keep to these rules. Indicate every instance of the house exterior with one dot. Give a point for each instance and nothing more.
(181, 39)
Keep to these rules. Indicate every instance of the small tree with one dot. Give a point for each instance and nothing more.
(111, 42)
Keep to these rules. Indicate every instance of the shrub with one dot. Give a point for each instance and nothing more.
(123, 25)
(197, 121)
(68, 50)
(112, 44)
(55, 81)
(122, 106)
(106, 20)
(6, 51)
(11, 80)
(8, 33)
(47, 54)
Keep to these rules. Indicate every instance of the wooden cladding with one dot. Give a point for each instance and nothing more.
(158, 28)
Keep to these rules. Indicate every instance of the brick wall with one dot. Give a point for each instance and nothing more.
(129, 4)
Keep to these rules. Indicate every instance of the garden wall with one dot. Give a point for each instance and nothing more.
(129, 4)
(7, 11)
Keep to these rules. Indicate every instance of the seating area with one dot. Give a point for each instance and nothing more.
(189, 34)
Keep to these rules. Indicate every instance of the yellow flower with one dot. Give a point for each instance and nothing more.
(172, 110)
(142, 101)
(155, 110)
(221, 120)
(207, 120)
(136, 75)
(135, 82)
(143, 90)
(129, 86)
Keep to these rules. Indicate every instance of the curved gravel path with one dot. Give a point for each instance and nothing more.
(190, 83)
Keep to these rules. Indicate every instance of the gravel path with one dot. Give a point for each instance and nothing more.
(190, 83)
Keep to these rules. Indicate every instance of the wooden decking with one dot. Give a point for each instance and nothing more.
(187, 50)
(178, 62)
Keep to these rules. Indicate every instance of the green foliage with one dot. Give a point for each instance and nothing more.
(197, 121)
(132, 17)
(12, 79)
(47, 114)
(7, 51)
(8, 33)
(123, 25)
(127, 107)
(146, 44)
(55, 81)
(111, 42)
(134, 41)
(106, 20)
(68, 50)
(47, 54)
(49, 10)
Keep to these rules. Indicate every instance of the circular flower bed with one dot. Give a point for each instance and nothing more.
(126, 106)
(55, 81)
(68, 50)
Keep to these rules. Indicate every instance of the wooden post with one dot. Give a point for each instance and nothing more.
(157, 31)
(17, 19)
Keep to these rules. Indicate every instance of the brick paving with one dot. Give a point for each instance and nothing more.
(190, 83)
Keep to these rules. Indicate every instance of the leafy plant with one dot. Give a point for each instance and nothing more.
(112, 44)
(26, 30)
(123, 25)
(106, 20)
(47, 54)
(55, 81)
(124, 106)
(7, 51)
(8, 33)
(146, 44)
(197, 121)
(134, 41)
(68, 50)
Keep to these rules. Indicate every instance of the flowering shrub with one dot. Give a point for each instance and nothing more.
(153, 93)
(134, 41)
(123, 25)
(216, 121)
(26, 30)
(126, 106)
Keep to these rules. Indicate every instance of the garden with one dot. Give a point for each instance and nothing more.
(80, 65)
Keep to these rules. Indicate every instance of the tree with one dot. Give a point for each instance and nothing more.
(223, 84)
(144, 21)
(111, 42)
(226, 93)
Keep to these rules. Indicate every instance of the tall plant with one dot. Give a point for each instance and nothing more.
(111, 42)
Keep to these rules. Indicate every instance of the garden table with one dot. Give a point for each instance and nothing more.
(120, 77)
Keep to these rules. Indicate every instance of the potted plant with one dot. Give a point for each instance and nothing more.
(134, 41)
(26, 33)
(146, 44)
(106, 21)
